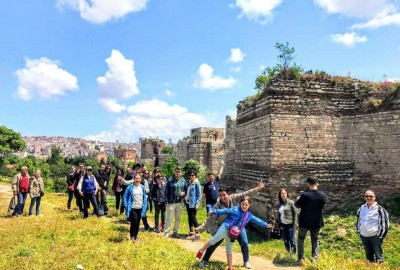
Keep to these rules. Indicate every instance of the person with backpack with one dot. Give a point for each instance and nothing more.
(372, 226)
(238, 218)
(70, 186)
(20, 188)
(135, 201)
(88, 188)
(36, 192)
(287, 220)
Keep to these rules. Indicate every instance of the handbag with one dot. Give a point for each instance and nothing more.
(41, 193)
(12, 204)
(71, 188)
(275, 233)
(234, 231)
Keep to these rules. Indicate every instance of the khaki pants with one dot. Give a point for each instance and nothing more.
(173, 209)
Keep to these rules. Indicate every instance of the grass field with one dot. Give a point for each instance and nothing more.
(62, 240)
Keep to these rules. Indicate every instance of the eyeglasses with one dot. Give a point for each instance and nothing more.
(146, 172)
(89, 170)
(192, 175)
(369, 196)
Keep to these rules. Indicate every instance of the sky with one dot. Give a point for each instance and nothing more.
(112, 70)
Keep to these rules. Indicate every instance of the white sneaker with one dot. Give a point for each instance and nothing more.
(247, 265)
(166, 235)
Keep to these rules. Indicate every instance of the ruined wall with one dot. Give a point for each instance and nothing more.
(312, 128)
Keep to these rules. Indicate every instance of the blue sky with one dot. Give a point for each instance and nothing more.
(119, 70)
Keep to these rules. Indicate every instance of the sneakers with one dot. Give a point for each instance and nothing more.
(166, 235)
(156, 230)
(199, 255)
(189, 235)
(176, 235)
(203, 263)
(247, 265)
(149, 229)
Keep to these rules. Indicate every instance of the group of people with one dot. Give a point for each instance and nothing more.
(138, 190)
(24, 185)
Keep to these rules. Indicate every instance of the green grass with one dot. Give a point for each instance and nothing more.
(61, 240)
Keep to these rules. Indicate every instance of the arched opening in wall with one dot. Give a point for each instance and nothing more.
(215, 137)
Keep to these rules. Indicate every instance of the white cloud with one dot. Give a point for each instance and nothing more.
(262, 67)
(257, 10)
(101, 11)
(348, 39)
(169, 93)
(163, 121)
(207, 80)
(358, 8)
(393, 79)
(119, 82)
(393, 19)
(111, 105)
(45, 78)
(235, 69)
(236, 55)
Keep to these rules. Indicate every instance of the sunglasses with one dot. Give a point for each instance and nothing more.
(89, 170)
(369, 196)
(192, 175)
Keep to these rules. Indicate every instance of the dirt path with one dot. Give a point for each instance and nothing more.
(219, 255)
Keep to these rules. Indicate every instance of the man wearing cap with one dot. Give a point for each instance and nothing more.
(372, 226)
(311, 203)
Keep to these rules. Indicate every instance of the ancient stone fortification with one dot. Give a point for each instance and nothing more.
(297, 129)
(206, 145)
(151, 149)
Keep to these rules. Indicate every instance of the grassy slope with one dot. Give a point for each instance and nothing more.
(61, 240)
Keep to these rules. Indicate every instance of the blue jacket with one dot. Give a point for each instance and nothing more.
(195, 193)
(128, 200)
(236, 214)
(172, 189)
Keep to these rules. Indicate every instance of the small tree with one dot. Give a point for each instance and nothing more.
(193, 165)
(168, 167)
(10, 141)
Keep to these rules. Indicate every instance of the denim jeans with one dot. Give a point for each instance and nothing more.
(101, 198)
(209, 207)
(87, 199)
(159, 208)
(289, 237)
(78, 200)
(244, 246)
(19, 208)
(314, 242)
(373, 248)
(33, 201)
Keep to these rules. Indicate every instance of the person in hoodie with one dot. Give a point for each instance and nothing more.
(238, 217)
(135, 201)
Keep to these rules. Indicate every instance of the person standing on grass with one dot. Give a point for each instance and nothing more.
(101, 197)
(145, 183)
(88, 188)
(70, 186)
(238, 216)
(372, 226)
(158, 194)
(210, 190)
(118, 190)
(176, 188)
(77, 177)
(213, 222)
(311, 219)
(36, 191)
(287, 220)
(20, 188)
(193, 200)
(135, 201)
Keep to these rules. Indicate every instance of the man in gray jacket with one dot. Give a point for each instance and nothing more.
(213, 222)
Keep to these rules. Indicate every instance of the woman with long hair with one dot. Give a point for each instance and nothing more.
(118, 190)
(287, 220)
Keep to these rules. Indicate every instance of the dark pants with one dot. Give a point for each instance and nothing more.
(79, 200)
(373, 248)
(21, 199)
(70, 197)
(244, 247)
(314, 242)
(145, 223)
(289, 237)
(101, 198)
(119, 202)
(134, 218)
(159, 208)
(192, 217)
(87, 199)
(35, 200)
(150, 203)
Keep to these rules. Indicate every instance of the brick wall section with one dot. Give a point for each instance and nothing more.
(312, 128)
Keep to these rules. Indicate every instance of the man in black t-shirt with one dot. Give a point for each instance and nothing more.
(311, 203)
(210, 191)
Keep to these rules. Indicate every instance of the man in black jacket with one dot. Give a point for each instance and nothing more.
(311, 203)
(77, 176)
(102, 179)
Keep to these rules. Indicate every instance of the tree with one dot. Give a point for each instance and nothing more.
(55, 157)
(115, 162)
(168, 167)
(10, 141)
(193, 165)
(168, 150)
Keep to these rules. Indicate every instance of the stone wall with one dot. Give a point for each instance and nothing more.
(312, 128)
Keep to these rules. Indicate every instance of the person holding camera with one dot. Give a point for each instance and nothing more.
(238, 218)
